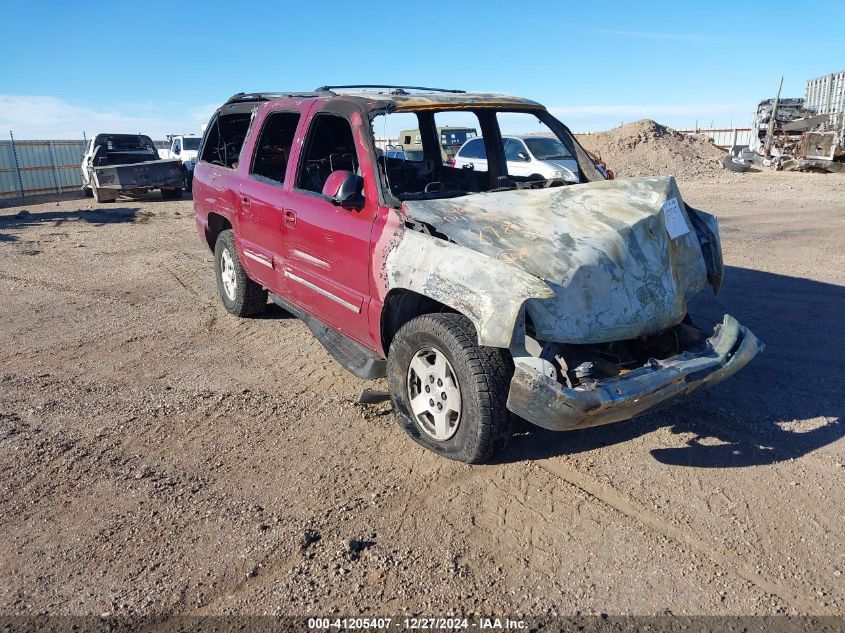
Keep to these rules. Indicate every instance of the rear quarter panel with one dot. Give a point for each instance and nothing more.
(215, 191)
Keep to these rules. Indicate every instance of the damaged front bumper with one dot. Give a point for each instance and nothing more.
(546, 403)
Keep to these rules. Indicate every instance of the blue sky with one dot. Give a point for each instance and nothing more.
(159, 67)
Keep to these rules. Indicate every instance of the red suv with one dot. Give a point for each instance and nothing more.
(483, 296)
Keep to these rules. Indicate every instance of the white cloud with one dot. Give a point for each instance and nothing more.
(45, 117)
(646, 110)
(601, 117)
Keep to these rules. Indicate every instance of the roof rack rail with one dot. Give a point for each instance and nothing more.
(246, 97)
(396, 89)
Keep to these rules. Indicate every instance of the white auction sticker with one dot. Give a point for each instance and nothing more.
(676, 225)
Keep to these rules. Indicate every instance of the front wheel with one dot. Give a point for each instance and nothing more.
(450, 393)
(240, 295)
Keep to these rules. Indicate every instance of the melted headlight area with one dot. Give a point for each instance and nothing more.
(583, 366)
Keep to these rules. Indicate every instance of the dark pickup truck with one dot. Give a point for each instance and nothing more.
(115, 163)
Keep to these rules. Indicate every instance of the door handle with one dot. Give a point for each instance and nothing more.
(290, 218)
(245, 202)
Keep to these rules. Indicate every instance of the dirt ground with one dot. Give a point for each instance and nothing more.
(160, 456)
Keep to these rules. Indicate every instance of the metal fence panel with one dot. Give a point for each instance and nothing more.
(8, 176)
(723, 137)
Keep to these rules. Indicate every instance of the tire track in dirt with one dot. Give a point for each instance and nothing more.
(611, 497)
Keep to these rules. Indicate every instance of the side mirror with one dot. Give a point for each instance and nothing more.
(344, 189)
(523, 157)
(177, 151)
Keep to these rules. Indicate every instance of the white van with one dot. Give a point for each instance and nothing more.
(530, 156)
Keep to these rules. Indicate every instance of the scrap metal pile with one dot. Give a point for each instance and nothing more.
(791, 137)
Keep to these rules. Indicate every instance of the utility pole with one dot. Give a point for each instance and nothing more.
(771, 131)
(17, 164)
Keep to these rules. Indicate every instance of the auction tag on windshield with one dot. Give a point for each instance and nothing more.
(676, 224)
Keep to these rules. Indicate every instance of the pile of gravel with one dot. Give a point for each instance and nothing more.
(646, 148)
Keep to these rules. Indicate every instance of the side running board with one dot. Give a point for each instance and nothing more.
(353, 356)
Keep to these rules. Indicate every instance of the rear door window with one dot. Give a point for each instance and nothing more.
(274, 146)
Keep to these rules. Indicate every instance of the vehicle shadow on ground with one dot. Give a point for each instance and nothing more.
(111, 215)
(273, 311)
(787, 402)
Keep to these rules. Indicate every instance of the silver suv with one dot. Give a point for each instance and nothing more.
(537, 157)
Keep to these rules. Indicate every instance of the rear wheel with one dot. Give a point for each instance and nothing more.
(172, 194)
(450, 393)
(240, 295)
(103, 195)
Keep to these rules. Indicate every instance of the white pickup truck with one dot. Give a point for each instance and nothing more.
(184, 147)
(128, 163)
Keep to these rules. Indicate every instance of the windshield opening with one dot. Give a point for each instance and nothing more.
(191, 144)
(428, 155)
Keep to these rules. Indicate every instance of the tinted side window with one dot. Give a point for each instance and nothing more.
(329, 147)
(224, 139)
(474, 149)
(513, 148)
(274, 145)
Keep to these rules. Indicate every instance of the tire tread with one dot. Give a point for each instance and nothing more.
(250, 297)
(489, 369)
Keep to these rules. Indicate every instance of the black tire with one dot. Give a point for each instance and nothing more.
(189, 180)
(248, 298)
(87, 192)
(172, 194)
(483, 374)
(731, 165)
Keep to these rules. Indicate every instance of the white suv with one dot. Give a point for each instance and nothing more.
(529, 156)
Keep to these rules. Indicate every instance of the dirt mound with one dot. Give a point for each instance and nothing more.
(646, 148)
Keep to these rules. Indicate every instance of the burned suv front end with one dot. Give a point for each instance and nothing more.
(610, 337)
(622, 380)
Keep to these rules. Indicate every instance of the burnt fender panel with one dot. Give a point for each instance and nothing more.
(490, 293)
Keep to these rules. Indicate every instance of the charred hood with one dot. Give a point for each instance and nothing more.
(622, 256)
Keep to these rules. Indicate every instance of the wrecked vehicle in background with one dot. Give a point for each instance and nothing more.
(184, 148)
(787, 135)
(481, 295)
(128, 163)
(451, 139)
